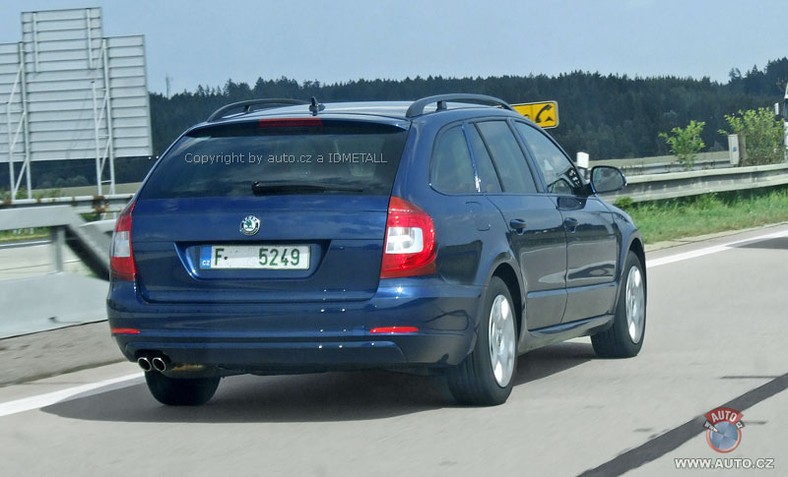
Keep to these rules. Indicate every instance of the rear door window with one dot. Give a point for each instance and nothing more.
(488, 178)
(280, 157)
(508, 158)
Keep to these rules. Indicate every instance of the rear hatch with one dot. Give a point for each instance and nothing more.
(275, 210)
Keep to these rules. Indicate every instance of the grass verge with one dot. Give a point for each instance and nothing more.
(709, 213)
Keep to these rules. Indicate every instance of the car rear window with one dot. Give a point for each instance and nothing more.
(280, 157)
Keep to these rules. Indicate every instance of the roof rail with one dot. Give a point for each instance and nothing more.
(417, 108)
(248, 106)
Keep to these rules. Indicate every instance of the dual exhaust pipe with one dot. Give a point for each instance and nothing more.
(158, 363)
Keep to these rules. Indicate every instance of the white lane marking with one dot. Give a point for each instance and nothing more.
(43, 400)
(710, 250)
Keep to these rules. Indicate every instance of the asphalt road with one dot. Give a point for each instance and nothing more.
(715, 336)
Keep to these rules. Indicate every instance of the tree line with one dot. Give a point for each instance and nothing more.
(608, 116)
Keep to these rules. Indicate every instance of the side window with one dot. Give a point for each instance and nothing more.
(488, 178)
(507, 157)
(559, 173)
(451, 168)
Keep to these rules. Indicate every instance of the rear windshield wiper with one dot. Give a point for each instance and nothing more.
(274, 188)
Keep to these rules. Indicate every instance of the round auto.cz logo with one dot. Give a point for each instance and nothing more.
(250, 225)
(723, 429)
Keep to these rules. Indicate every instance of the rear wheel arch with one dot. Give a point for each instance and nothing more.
(636, 247)
(506, 273)
(486, 376)
(624, 337)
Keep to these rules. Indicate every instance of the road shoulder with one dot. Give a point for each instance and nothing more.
(51, 353)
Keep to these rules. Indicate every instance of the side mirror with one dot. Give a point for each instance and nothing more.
(606, 179)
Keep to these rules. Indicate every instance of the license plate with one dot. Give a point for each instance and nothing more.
(255, 257)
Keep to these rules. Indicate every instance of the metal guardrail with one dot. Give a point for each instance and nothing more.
(666, 167)
(80, 204)
(649, 187)
(90, 239)
(664, 164)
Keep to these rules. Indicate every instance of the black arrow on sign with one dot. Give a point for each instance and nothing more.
(547, 107)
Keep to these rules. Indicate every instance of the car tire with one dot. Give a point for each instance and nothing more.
(625, 337)
(181, 391)
(486, 376)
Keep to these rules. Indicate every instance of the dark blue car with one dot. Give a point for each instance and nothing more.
(447, 235)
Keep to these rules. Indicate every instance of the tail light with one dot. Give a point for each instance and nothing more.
(122, 264)
(410, 241)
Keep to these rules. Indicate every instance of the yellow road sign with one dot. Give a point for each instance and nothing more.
(544, 113)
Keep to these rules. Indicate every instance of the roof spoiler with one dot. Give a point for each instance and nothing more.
(244, 107)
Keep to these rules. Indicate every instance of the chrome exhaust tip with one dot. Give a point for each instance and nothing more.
(159, 364)
(144, 363)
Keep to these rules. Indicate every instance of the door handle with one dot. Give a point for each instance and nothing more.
(518, 225)
(571, 224)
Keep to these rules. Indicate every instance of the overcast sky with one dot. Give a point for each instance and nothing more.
(201, 42)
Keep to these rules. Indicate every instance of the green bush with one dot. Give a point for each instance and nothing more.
(686, 143)
(763, 134)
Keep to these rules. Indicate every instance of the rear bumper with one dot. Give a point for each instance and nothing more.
(285, 337)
